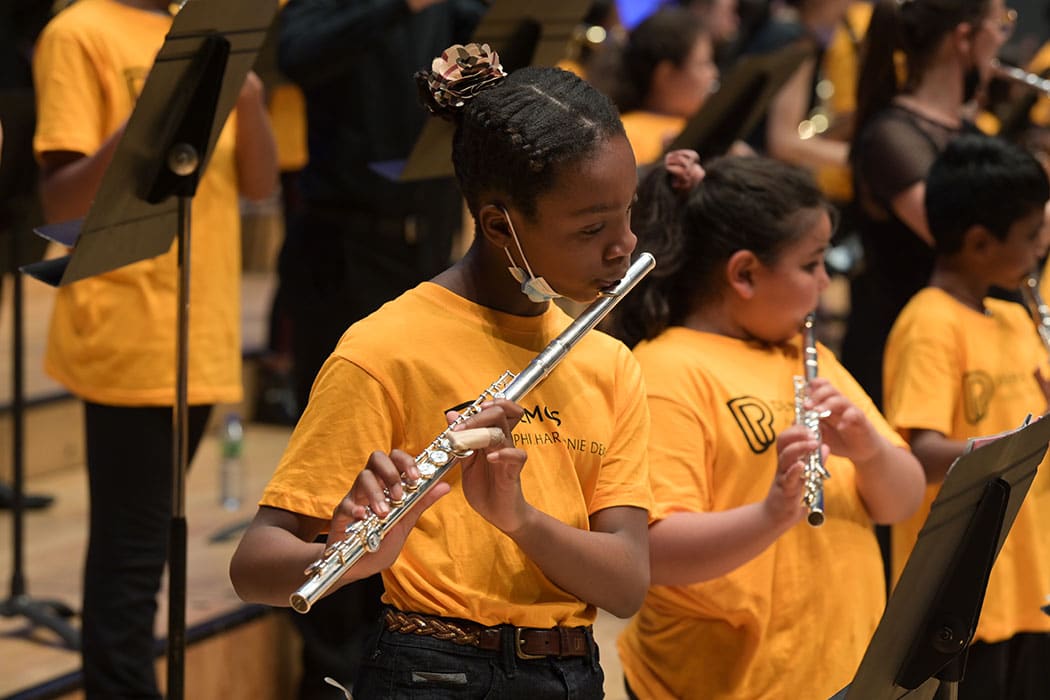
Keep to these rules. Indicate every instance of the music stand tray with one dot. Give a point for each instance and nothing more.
(932, 615)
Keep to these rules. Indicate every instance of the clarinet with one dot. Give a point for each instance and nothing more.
(1038, 309)
(814, 473)
(366, 535)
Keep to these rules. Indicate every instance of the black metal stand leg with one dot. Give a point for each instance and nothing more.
(41, 613)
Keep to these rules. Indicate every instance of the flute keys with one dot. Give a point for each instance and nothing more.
(373, 540)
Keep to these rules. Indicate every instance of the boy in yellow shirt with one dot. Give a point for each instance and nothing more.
(961, 365)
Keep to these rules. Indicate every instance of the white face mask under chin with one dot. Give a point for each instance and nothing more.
(535, 288)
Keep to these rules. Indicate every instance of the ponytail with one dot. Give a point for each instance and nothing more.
(877, 81)
(743, 203)
(915, 28)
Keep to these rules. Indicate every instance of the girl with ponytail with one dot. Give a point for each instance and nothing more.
(923, 63)
(716, 329)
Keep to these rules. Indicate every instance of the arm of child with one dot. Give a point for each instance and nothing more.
(70, 180)
(278, 544)
(255, 147)
(889, 478)
(599, 566)
(935, 452)
(691, 547)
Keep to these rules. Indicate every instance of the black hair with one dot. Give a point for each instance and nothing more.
(743, 203)
(512, 138)
(981, 180)
(668, 34)
(914, 27)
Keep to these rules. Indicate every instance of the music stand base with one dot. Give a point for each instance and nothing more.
(51, 614)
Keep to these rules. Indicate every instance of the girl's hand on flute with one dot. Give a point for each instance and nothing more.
(492, 475)
(783, 503)
(380, 477)
(846, 430)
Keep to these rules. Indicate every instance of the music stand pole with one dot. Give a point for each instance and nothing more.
(179, 174)
(177, 556)
(51, 614)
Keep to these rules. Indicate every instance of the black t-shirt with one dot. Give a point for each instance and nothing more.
(354, 62)
(893, 152)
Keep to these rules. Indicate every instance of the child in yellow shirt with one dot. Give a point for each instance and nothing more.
(960, 365)
(747, 599)
(493, 582)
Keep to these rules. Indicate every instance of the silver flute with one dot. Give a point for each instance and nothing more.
(1032, 81)
(366, 535)
(1037, 308)
(814, 472)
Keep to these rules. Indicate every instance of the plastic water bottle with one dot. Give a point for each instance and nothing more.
(230, 467)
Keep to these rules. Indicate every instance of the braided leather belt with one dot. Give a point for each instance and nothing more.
(529, 642)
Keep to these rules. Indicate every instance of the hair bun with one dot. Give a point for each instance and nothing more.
(455, 77)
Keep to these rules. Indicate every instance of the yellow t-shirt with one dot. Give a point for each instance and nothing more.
(112, 337)
(388, 384)
(649, 133)
(793, 622)
(966, 374)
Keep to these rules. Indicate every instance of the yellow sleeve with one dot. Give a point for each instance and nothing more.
(349, 416)
(69, 89)
(678, 457)
(624, 476)
(922, 377)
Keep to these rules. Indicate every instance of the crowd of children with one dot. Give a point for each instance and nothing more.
(690, 517)
(659, 472)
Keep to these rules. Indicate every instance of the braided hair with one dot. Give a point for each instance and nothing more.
(514, 136)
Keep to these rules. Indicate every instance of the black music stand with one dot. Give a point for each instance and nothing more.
(144, 202)
(741, 101)
(922, 639)
(17, 108)
(534, 33)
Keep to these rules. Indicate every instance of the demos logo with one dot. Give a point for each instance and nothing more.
(978, 388)
(540, 414)
(755, 419)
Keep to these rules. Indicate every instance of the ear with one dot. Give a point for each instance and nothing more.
(492, 222)
(962, 37)
(741, 269)
(978, 240)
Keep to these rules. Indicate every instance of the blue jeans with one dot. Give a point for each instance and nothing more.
(398, 665)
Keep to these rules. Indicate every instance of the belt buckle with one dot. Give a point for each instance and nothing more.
(519, 642)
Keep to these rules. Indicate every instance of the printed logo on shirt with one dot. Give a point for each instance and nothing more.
(547, 417)
(755, 419)
(978, 389)
(540, 413)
